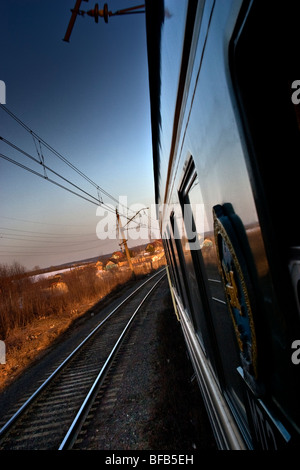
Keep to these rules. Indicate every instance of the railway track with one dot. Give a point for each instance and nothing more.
(52, 417)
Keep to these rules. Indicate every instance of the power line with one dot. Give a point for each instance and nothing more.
(47, 234)
(61, 157)
(39, 223)
(39, 144)
(43, 241)
(38, 253)
(41, 162)
(40, 140)
(46, 252)
(24, 167)
(44, 176)
(26, 154)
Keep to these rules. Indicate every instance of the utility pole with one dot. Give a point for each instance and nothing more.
(124, 242)
(149, 219)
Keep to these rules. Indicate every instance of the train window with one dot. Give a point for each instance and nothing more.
(170, 263)
(191, 238)
(262, 53)
(214, 318)
(173, 36)
(175, 268)
(271, 117)
(185, 274)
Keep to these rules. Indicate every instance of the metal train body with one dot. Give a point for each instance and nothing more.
(225, 132)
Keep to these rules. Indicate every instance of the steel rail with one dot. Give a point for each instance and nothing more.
(25, 405)
(83, 411)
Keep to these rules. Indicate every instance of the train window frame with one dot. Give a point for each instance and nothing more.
(220, 367)
(269, 126)
(170, 263)
(185, 187)
(186, 299)
(260, 148)
(171, 254)
(203, 320)
(256, 42)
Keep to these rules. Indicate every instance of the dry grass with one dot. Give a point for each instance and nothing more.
(33, 315)
(24, 344)
(22, 300)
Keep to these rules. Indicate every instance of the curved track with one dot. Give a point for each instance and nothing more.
(52, 416)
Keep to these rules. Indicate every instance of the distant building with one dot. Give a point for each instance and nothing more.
(155, 246)
(57, 285)
(99, 266)
(117, 255)
(158, 256)
(110, 265)
(122, 263)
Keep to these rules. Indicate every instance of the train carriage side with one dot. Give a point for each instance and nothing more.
(221, 77)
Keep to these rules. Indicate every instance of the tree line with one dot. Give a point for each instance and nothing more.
(23, 299)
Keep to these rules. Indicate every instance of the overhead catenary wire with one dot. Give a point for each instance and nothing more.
(95, 201)
(41, 237)
(46, 252)
(46, 234)
(43, 241)
(44, 176)
(39, 145)
(46, 167)
(37, 250)
(24, 167)
(39, 222)
(41, 161)
(35, 135)
(60, 156)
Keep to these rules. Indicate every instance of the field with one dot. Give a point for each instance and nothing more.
(34, 311)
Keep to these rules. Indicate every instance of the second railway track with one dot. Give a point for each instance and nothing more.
(51, 418)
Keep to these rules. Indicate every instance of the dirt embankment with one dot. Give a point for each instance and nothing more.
(28, 343)
(24, 345)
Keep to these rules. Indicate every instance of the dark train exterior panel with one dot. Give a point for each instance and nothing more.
(221, 83)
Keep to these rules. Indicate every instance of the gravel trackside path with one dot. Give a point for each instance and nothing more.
(150, 402)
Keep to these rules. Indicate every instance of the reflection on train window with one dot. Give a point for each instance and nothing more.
(185, 274)
(175, 266)
(170, 262)
(272, 125)
(215, 320)
(191, 221)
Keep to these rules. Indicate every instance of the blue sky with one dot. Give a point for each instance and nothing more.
(89, 100)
